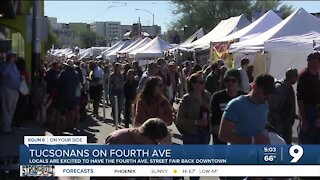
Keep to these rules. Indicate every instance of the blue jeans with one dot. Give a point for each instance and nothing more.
(120, 95)
(312, 134)
(202, 137)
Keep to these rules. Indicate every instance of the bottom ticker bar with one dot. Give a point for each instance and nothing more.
(170, 170)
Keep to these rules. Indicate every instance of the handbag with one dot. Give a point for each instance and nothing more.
(23, 88)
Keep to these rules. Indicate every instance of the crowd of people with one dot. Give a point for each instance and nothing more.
(205, 95)
(214, 102)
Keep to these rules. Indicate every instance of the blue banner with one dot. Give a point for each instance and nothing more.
(168, 155)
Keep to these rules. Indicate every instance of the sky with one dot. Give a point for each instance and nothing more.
(124, 11)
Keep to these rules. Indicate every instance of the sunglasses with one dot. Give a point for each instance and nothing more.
(230, 80)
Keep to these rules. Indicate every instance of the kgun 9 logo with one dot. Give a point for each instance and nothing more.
(296, 152)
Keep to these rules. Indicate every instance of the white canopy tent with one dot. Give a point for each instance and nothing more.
(112, 55)
(223, 29)
(195, 36)
(261, 25)
(85, 54)
(137, 46)
(285, 44)
(298, 23)
(92, 52)
(115, 46)
(296, 43)
(62, 52)
(154, 49)
(131, 45)
(291, 51)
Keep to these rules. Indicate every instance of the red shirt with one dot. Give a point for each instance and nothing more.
(308, 87)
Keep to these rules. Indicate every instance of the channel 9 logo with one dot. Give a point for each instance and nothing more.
(39, 170)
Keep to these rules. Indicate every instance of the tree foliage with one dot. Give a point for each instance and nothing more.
(87, 39)
(52, 38)
(208, 13)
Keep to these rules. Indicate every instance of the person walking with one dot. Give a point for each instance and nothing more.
(151, 71)
(23, 100)
(212, 80)
(282, 106)
(130, 90)
(245, 117)
(95, 86)
(68, 83)
(308, 96)
(151, 103)
(185, 73)
(193, 113)
(116, 82)
(245, 83)
(9, 89)
(220, 99)
(106, 76)
(137, 69)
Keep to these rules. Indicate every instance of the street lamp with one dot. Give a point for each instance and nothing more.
(147, 12)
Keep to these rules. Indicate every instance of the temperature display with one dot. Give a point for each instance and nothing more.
(269, 154)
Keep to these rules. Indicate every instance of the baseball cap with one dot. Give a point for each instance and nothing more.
(266, 82)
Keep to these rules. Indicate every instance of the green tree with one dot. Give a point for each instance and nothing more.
(87, 39)
(52, 39)
(208, 13)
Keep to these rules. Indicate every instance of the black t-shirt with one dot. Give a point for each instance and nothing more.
(308, 88)
(219, 101)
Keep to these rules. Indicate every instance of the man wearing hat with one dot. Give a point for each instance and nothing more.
(9, 89)
(308, 95)
(282, 106)
(221, 98)
(245, 117)
(68, 83)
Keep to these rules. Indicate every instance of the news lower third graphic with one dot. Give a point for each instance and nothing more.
(72, 156)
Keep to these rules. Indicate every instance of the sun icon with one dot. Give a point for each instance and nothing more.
(175, 171)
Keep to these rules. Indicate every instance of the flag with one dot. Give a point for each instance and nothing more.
(221, 51)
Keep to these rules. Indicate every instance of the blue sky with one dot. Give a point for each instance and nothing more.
(124, 11)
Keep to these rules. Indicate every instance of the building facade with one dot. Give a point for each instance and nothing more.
(153, 31)
(109, 29)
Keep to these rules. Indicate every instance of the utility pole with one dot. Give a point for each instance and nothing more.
(36, 36)
(139, 27)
